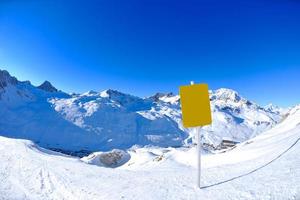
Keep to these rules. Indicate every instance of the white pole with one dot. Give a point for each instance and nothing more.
(198, 138)
(199, 154)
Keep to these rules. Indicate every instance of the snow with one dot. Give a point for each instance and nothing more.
(265, 167)
(170, 99)
(104, 94)
(141, 150)
(110, 119)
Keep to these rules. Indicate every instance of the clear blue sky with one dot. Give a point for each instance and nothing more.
(141, 47)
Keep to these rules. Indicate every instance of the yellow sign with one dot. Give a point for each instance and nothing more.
(195, 105)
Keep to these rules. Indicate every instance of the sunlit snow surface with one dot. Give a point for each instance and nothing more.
(265, 167)
(102, 121)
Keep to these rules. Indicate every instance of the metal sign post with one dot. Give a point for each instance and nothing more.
(195, 107)
(198, 138)
(199, 154)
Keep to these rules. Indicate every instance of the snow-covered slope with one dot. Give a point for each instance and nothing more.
(115, 118)
(265, 167)
(87, 122)
(158, 118)
(110, 119)
(26, 113)
(234, 117)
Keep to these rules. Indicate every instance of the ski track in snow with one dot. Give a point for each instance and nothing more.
(268, 163)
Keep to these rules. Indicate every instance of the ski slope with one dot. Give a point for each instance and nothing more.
(265, 167)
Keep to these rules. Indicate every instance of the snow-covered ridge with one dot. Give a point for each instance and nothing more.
(6, 79)
(111, 119)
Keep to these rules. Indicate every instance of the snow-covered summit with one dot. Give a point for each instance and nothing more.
(226, 95)
(157, 96)
(229, 97)
(104, 94)
(273, 108)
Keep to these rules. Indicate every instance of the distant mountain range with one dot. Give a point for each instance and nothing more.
(95, 121)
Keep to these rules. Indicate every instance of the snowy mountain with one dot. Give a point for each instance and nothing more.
(86, 122)
(111, 119)
(48, 87)
(234, 117)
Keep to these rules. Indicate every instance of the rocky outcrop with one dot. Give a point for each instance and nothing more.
(48, 87)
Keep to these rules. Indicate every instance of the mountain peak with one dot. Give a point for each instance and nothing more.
(6, 79)
(114, 92)
(227, 94)
(158, 95)
(47, 86)
(273, 108)
(226, 91)
(90, 93)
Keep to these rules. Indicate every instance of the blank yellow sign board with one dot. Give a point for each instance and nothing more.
(195, 105)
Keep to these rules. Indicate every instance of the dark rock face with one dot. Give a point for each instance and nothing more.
(159, 95)
(6, 79)
(114, 158)
(47, 86)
